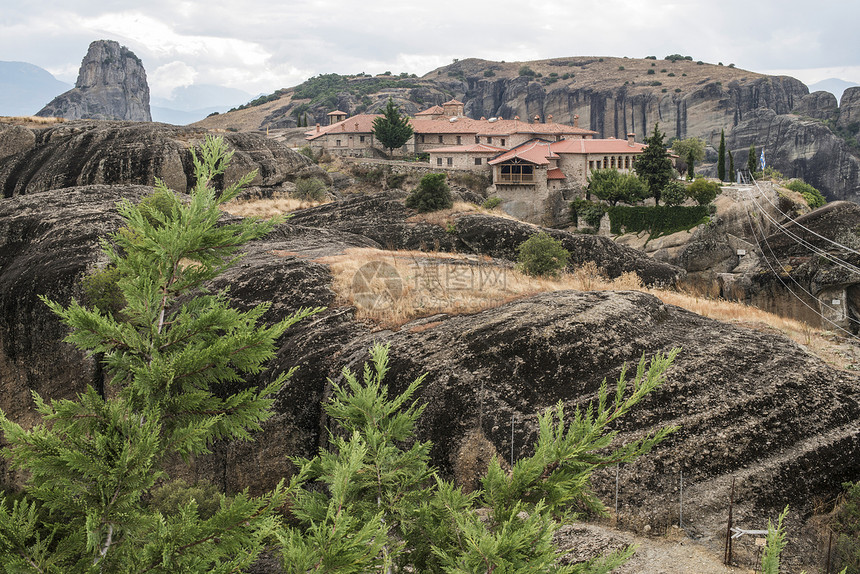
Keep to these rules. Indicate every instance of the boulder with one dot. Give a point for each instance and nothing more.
(111, 85)
(117, 153)
(820, 105)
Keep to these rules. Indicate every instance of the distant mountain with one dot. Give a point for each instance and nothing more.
(25, 88)
(833, 85)
(193, 103)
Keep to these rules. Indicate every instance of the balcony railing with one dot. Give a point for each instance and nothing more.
(516, 179)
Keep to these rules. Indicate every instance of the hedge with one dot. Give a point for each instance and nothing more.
(659, 220)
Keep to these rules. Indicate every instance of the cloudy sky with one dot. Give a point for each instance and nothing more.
(259, 46)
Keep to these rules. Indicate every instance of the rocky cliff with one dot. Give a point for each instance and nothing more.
(613, 96)
(751, 405)
(111, 85)
(88, 152)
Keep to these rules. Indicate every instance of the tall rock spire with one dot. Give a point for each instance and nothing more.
(111, 86)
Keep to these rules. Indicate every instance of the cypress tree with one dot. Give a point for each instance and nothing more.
(721, 157)
(731, 166)
(690, 161)
(751, 159)
(172, 356)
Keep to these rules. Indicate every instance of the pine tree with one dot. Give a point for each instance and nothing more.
(392, 130)
(171, 355)
(731, 166)
(721, 157)
(751, 159)
(377, 505)
(654, 166)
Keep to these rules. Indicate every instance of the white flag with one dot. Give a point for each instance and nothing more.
(761, 159)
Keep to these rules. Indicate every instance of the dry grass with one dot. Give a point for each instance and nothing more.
(268, 207)
(445, 216)
(20, 120)
(390, 288)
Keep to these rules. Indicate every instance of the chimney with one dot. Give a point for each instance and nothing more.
(630, 138)
(356, 126)
(549, 118)
(576, 121)
(517, 118)
(343, 127)
(537, 119)
(318, 127)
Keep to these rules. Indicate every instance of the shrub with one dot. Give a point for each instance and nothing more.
(674, 194)
(526, 71)
(651, 72)
(395, 180)
(492, 202)
(847, 527)
(704, 191)
(541, 255)
(310, 188)
(308, 152)
(812, 196)
(489, 73)
(431, 194)
(368, 174)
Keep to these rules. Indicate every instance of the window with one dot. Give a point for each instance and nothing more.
(440, 139)
(337, 143)
(438, 161)
(591, 165)
(626, 162)
(450, 161)
(503, 142)
(612, 162)
(477, 161)
(516, 173)
(605, 162)
(477, 139)
(361, 139)
(489, 140)
(422, 138)
(459, 140)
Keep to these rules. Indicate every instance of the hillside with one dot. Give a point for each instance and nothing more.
(807, 136)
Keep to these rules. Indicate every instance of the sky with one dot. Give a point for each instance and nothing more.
(261, 46)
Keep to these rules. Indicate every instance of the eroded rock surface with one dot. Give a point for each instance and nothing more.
(752, 405)
(111, 85)
(87, 152)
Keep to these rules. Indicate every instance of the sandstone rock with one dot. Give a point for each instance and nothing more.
(849, 108)
(15, 139)
(801, 148)
(87, 152)
(819, 105)
(111, 85)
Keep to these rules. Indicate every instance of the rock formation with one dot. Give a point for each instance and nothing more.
(818, 105)
(849, 110)
(751, 405)
(86, 152)
(111, 85)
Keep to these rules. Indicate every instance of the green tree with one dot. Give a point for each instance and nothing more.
(675, 193)
(685, 146)
(731, 166)
(431, 194)
(752, 159)
(392, 130)
(814, 199)
(691, 159)
(172, 356)
(654, 165)
(721, 157)
(542, 254)
(372, 503)
(704, 191)
(613, 186)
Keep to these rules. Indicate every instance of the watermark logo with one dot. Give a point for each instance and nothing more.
(377, 286)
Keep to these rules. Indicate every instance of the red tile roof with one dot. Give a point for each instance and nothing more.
(534, 151)
(435, 110)
(337, 113)
(597, 146)
(555, 173)
(453, 101)
(474, 148)
(364, 121)
(463, 125)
